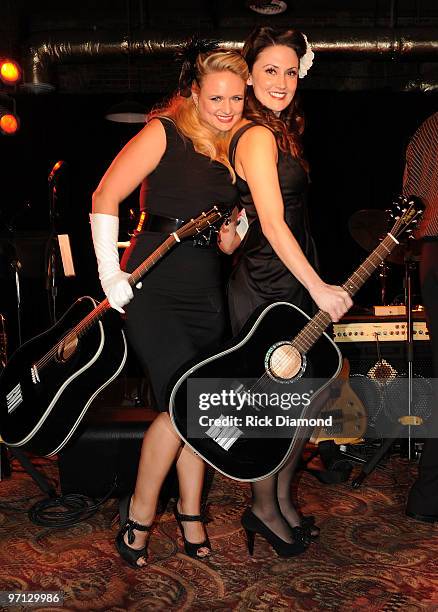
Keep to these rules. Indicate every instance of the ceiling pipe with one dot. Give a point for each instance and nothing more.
(42, 56)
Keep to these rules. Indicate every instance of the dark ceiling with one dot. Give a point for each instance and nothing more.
(82, 47)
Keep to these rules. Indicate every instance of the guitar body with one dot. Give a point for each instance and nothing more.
(251, 458)
(44, 394)
(349, 415)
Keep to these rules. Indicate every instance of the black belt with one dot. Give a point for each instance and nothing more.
(149, 222)
(157, 223)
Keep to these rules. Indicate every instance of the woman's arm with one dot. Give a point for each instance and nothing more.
(140, 156)
(256, 162)
(135, 161)
(233, 231)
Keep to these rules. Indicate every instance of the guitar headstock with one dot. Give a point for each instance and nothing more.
(406, 212)
(202, 222)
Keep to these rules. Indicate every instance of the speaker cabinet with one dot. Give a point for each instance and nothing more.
(106, 454)
(366, 341)
(377, 350)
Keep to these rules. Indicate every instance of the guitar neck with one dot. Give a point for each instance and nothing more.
(153, 258)
(95, 315)
(319, 323)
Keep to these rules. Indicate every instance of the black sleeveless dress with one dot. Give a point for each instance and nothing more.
(259, 277)
(180, 309)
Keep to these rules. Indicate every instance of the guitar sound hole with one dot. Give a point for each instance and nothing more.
(284, 361)
(67, 348)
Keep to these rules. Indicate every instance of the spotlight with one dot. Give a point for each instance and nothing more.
(9, 122)
(10, 72)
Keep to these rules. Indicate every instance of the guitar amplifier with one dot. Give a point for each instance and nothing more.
(106, 454)
(363, 338)
(376, 348)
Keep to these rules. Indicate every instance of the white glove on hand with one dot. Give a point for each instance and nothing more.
(105, 232)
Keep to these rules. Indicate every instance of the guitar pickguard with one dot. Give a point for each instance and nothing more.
(229, 448)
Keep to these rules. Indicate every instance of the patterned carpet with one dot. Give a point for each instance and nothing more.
(369, 556)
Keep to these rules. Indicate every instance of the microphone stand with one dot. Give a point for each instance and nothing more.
(16, 266)
(409, 266)
(383, 275)
(408, 418)
(51, 284)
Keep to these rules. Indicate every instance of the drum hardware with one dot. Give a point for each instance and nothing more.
(384, 374)
(367, 227)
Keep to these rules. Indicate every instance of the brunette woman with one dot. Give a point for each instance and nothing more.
(276, 259)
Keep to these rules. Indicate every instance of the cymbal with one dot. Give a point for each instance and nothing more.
(369, 226)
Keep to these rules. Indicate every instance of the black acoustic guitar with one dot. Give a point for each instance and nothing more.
(51, 380)
(280, 352)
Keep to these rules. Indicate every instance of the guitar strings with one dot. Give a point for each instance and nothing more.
(311, 328)
(315, 326)
(100, 310)
(197, 226)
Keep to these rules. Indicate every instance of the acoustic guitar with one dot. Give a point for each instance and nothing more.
(280, 352)
(49, 383)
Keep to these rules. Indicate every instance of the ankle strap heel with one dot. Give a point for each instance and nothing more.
(191, 548)
(128, 526)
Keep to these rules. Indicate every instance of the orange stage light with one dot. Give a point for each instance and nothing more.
(10, 72)
(9, 124)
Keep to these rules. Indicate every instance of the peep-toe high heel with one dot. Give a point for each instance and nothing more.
(127, 525)
(191, 548)
(252, 525)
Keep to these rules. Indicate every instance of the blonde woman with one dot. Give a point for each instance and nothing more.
(181, 159)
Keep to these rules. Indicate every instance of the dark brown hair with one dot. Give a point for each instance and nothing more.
(289, 126)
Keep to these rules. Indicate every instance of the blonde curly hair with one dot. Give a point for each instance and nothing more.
(184, 113)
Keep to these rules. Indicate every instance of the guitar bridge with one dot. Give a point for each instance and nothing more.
(14, 398)
(34, 375)
(224, 436)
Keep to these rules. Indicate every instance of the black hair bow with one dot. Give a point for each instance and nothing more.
(188, 54)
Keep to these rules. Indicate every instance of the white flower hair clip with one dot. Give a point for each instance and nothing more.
(307, 60)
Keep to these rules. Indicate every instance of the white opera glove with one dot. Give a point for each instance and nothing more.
(105, 232)
(242, 224)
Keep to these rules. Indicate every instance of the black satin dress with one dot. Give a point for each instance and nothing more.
(180, 310)
(259, 276)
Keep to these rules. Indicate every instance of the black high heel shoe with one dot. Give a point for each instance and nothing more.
(252, 525)
(192, 549)
(127, 525)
